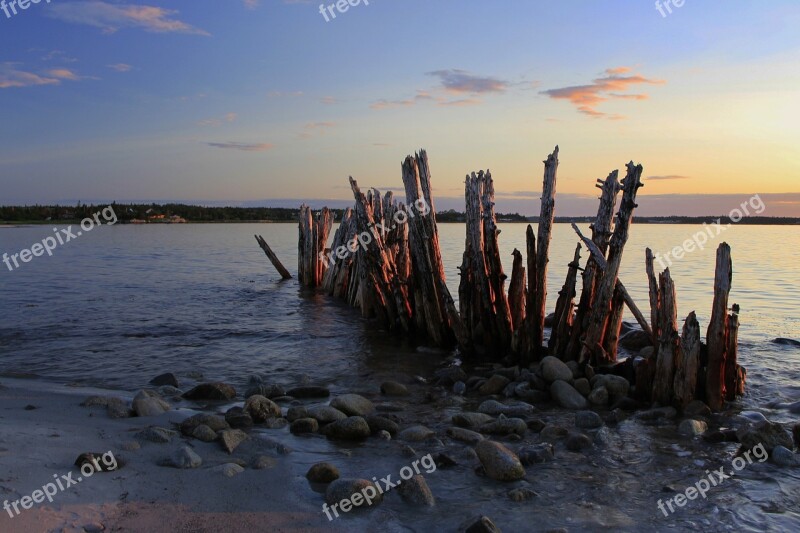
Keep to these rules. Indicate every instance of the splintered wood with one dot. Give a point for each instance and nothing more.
(385, 259)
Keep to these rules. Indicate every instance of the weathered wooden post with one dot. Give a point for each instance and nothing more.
(669, 346)
(273, 258)
(565, 306)
(687, 370)
(716, 338)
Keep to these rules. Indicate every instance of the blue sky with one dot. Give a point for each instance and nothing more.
(234, 100)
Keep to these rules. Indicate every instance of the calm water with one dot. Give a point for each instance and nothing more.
(121, 304)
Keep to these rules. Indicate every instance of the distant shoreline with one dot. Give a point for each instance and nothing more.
(761, 221)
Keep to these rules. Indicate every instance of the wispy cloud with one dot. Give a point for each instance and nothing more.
(668, 177)
(313, 129)
(218, 121)
(11, 77)
(586, 98)
(251, 4)
(63, 74)
(58, 55)
(243, 147)
(120, 67)
(462, 82)
(283, 94)
(111, 17)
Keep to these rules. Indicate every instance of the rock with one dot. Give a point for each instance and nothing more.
(499, 462)
(353, 405)
(697, 408)
(383, 435)
(582, 385)
(263, 462)
(216, 423)
(231, 439)
(554, 369)
(169, 390)
(635, 340)
(589, 372)
(297, 412)
(769, 434)
(267, 391)
(381, 423)
(130, 446)
(183, 457)
(783, 456)
(464, 435)
(345, 489)
(521, 495)
(93, 527)
(617, 386)
(536, 454)
(229, 469)
(786, 342)
(156, 434)
(204, 433)
(494, 385)
(552, 432)
(602, 437)
(260, 408)
(415, 491)
(97, 462)
(577, 441)
(165, 379)
(322, 473)
(652, 415)
(416, 434)
(753, 416)
(471, 420)
(479, 524)
(460, 387)
(304, 425)
(211, 392)
(599, 396)
(505, 426)
(450, 375)
(118, 410)
(494, 408)
(796, 434)
(236, 417)
(539, 383)
(352, 428)
(576, 369)
(536, 425)
(325, 414)
(393, 388)
(149, 403)
(566, 396)
(588, 420)
(691, 427)
(524, 392)
(276, 423)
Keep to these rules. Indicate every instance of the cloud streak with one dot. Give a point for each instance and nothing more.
(586, 98)
(242, 147)
(112, 17)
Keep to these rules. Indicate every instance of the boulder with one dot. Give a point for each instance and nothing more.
(494, 385)
(236, 417)
(692, 428)
(635, 340)
(230, 439)
(165, 379)
(297, 412)
(786, 342)
(770, 434)
(551, 432)
(267, 391)
(538, 453)
(464, 435)
(352, 428)
(393, 388)
(204, 433)
(566, 396)
(588, 420)
(783, 456)
(260, 408)
(228, 469)
(216, 423)
(157, 435)
(617, 386)
(353, 405)
(325, 414)
(554, 369)
(697, 408)
(149, 403)
(322, 473)
(381, 423)
(450, 375)
(499, 462)
(494, 408)
(577, 442)
(416, 434)
(599, 396)
(470, 420)
(479, 524)
(416, 491)
(183, 457)
(211, 392)
(505, 426)
(304, 425)
(582, 385)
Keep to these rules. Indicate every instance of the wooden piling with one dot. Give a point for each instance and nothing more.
(716, 339)
(273, 258)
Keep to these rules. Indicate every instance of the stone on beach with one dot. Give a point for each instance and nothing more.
(204, 433)
(184, 457)
(236, 417)
(149, 403)
(464, 435)
(229, 469)
(260, 408)
(304, 425)
(353, 405)
(115, 407)
(577, 442)
(415, 491)
(536, 454)
(554, 369)
(325, 414)
(782, 456)
(165, 379)
(351, 428)
(296, 412)
(499, 462)
(566, 396)
(381, 423)
(617, 386)
(322, 473)
(416, 434)
(769, 434)
(156, 434)
(216, 391)
(588, 420)
(494, 408)
(268, 391)
(231, 439)
(692, 428)
(360, 490)
(393, 388)
(505, 426)
(479, 524)
(494, 385)
(471, 420)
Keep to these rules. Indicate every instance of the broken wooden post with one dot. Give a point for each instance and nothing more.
(565, 307)
(314, 231)
(669, 346)
(653, 292)
(614, 326)
(544, 234)
(686, 372)
(716, 339)
(516, 291)
(601, 308)
(272, 257)
(734, 374)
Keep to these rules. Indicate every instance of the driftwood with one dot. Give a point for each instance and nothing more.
(314, 231)
(273, 258)
(669, 343)
(735, 375)
(686, 373)
(653, 286)
(516, 291)
(598, 320)
(716, 338)
(565, 307)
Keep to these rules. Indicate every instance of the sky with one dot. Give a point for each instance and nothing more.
(235, 102)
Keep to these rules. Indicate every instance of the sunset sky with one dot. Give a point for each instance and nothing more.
(233, 101)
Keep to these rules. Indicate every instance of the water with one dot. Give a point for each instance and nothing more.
(122, 304)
